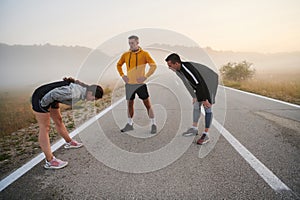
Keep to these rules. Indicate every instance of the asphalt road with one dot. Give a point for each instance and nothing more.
(268, 129)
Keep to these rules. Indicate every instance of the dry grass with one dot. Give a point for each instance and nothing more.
(15, 111)
(283, 87)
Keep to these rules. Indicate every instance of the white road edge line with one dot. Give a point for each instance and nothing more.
(36, 160)
(260, 96)
(270, 178)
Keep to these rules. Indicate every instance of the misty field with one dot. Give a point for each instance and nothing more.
(15, 111)
(285, 87)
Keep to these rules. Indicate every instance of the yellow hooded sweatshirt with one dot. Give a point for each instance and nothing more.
(135, 64)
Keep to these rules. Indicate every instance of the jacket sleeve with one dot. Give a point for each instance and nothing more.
(187, 84)
(152, 65)
(119, 65)
(58, 94)
(205, 79)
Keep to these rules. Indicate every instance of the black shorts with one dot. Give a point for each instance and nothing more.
(40, 92)
(139, 89)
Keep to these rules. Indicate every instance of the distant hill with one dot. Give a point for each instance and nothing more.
(33, 65)
(277, 63)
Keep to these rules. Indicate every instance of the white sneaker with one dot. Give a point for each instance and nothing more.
(73, 145)
(55, 164)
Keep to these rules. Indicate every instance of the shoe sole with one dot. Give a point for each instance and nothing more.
(73, 147)
(52, 167)
(126, 131)
(189, 134)
(207, 141)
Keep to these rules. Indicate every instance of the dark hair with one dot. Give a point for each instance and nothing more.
(133, 37)
(70, 79)
(96, 90)
(174, 58)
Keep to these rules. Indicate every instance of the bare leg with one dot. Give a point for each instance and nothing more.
(148, 106)
(130, 108)
(59, 125)
(43, 120)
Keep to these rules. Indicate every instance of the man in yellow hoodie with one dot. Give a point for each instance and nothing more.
(136, 59)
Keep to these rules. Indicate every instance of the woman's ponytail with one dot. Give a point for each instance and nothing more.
(70, 79)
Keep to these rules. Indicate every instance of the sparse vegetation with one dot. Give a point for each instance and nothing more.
(285, 87)
(4, 156)
(237, 71)
(15, 112)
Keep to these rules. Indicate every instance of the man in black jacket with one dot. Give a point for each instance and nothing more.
(202, 84)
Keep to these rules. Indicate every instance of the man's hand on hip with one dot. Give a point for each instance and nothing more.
(125, 79)
(141, 79)
(206, 104)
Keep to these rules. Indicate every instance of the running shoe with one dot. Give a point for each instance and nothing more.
(73, 145)
(153, 129)
(203, 140)
(128, 127)
(190, 132)
(55, 164)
